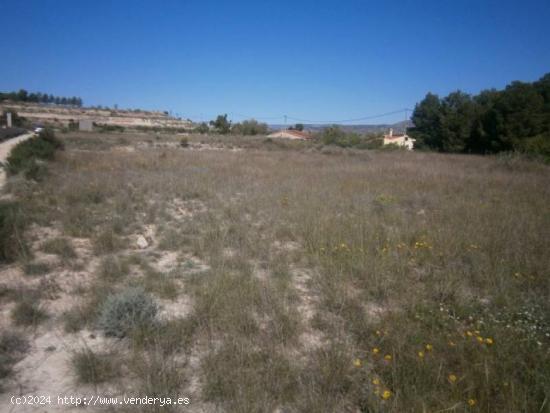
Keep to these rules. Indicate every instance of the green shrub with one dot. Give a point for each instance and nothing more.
(24, 155)
(202, 128)
(11, 227)
(249, 127)
(334, 135)
(106, 242)
(538, 145)
(124, 311)
(184, 142)
(110, 128)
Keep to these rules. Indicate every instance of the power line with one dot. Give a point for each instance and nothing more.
(311, 121)
(255, 117)
(350, 120)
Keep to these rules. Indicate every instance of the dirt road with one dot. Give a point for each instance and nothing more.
(5, 148)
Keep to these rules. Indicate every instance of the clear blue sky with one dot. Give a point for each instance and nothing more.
(319, 60)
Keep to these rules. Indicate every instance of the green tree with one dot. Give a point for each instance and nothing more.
(250, 127)
(221, 124)
(426, 118)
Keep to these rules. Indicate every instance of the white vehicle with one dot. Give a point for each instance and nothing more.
(38, 130)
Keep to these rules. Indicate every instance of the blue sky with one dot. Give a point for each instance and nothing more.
(318, 60)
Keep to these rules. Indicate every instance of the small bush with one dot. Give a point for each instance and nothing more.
(36, 268)
(123, 312)
(59, 246)
(73, 320)
(94, 368)
(110, 128)
(106, 242)
(184, 142)
(28, 313)
(23, 156)
(249, 127)
(12, 347)
(36, 171)
(113, 269)
(11, 227)
(202, 128)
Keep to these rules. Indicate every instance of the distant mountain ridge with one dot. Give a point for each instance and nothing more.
(398, 127)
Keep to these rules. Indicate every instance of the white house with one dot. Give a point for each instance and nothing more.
(400, 140)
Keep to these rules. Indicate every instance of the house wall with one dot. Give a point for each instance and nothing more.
(409, 144)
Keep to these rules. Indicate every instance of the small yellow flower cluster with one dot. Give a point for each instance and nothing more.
(384, 394)
(481, 340)
(421, 354)
(422, 245)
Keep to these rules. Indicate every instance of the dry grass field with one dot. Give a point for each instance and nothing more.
(281, 277)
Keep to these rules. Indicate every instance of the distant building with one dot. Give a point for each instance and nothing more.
(400, 140)
(85, 125)
(290, 134)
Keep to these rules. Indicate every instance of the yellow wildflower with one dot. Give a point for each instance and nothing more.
(452, 343)
(421, 354)
(357, 362)
(388, 357)
(378, 333)
(472, 402)
(489, 341)
(469, 333)
(375, 350)
(386, 394)
(452, 378)
(429, 347)
(479, 339)
(376, 381)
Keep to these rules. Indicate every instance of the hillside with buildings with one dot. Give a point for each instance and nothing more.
(62, 115)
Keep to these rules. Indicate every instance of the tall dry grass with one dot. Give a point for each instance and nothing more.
(347, 281)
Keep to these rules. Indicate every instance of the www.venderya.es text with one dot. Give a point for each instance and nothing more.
(96, 400)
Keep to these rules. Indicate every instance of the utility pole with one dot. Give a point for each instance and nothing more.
(285, 121)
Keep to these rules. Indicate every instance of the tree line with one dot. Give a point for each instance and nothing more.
(516, 118)
(224, 126)
(23, 96)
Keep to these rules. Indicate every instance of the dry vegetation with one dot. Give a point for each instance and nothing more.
(287, 278)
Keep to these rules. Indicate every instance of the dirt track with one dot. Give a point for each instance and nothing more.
(5, 148)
